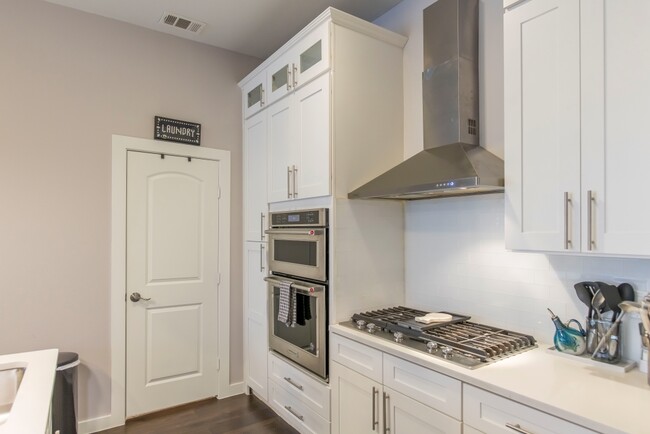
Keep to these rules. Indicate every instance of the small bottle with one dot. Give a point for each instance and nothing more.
(568, 340)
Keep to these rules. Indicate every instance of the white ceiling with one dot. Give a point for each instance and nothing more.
(253, 27)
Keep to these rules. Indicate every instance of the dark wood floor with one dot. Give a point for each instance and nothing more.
(240, 414)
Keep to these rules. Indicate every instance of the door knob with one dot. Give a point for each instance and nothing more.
(137, 297)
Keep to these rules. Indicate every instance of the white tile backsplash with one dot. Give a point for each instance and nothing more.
(456, 261)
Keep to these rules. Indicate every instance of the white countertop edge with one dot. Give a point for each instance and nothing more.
(632, 385)
(31, 409)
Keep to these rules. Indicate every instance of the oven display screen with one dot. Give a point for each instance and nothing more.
(293, 218)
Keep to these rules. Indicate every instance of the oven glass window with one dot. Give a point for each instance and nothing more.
(296, 252)
(303, 333)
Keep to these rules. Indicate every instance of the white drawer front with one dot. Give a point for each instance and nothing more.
(438, 391)
(490, 413)
(407, 416)
(295, 412)
(356, 356)
(311, 392)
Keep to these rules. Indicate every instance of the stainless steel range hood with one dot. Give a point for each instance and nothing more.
(452, 162)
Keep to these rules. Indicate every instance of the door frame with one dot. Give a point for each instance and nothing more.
(121, 145)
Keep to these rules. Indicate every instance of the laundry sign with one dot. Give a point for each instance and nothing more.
(174, 130)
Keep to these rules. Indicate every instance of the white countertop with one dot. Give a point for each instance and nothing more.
(593, 397)
(31, 408)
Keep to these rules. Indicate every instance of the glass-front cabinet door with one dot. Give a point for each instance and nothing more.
(305, 60)
(254, 95)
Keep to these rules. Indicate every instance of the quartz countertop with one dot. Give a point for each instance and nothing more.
(31, 408)
(592, 396)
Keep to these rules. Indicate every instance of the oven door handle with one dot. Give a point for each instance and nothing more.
(307, 290)
(294, 231)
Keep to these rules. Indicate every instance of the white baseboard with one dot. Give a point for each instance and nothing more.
(97, 424)
(233, 389)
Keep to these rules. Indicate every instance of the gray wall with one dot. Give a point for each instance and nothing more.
(68, 81)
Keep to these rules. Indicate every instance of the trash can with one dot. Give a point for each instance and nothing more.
(64, 398)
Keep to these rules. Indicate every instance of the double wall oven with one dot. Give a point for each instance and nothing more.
(297, 285)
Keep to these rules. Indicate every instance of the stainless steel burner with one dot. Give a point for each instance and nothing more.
(459, 341)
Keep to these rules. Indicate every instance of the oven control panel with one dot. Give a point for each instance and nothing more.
(309, 217)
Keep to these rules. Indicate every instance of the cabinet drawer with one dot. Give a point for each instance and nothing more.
(310, 391)
(295, 412)
(356, 356)
(438, 391)
(408, 416)
(490, 413)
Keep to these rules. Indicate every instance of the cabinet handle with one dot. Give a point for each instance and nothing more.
(295, 174)
(262, 97)
(515, 4)
(289, 78)
(262, 216)
(375, 394)
(591, 200)
(289, 182)
(261, 258)
(517, 428)
(296, 415)
(384, 411)
(567, 216)
(293, 76)
(294, 384)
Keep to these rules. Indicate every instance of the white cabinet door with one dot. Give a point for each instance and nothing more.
(542, 125)
(356, 402)
(616, 103)
(282, 150)
(312, 55)
(256, 318)
(255, 170)
(408, 416)
(280, 77)
(254, 95)
(312, 176)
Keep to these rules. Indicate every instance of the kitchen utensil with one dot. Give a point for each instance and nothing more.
(566, 339)
(583, 291)
(626, 307)
(612, 297)
(598, 302)
(626, 292)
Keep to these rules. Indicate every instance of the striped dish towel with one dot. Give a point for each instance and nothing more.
(285, 301)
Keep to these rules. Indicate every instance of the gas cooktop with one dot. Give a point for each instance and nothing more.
(458, 340)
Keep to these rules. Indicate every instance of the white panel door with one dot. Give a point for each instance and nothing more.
(313, 123)
(356, 402)
(282, 150)
(257, 343)
(405, 415)
(616, 104)
(172, 260)
(255, 170)
(542, 125)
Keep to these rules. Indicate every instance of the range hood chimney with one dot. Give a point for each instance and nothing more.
(452, 162)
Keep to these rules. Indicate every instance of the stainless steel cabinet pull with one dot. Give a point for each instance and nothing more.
(567, 216)
(288, 78)
(289, 182)
(261, 258)
(517, 428)
(294, 384)
(262, 216)
(295, 175)
(384, 411)
(375, 394)
(591, 200)
(293, 76)
(296, 415)
(262, 97)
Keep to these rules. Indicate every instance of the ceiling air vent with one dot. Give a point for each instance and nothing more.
(182, 23)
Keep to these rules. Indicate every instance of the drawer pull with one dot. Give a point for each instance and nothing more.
(517, 428)
(294, 384)
(384, 411)
(375, 394)
(296, 415)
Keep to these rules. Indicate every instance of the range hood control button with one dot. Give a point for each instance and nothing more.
(361, 324)
(399, 336)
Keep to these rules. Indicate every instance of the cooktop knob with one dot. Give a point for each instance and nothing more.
(361, 324)
(371, 328)
(447, 352)
(399, 336)
(432, 346)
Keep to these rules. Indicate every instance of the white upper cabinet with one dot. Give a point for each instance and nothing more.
(255, 170)
(254, 95)
(305, 60)
(282, 150)
(576, 88)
